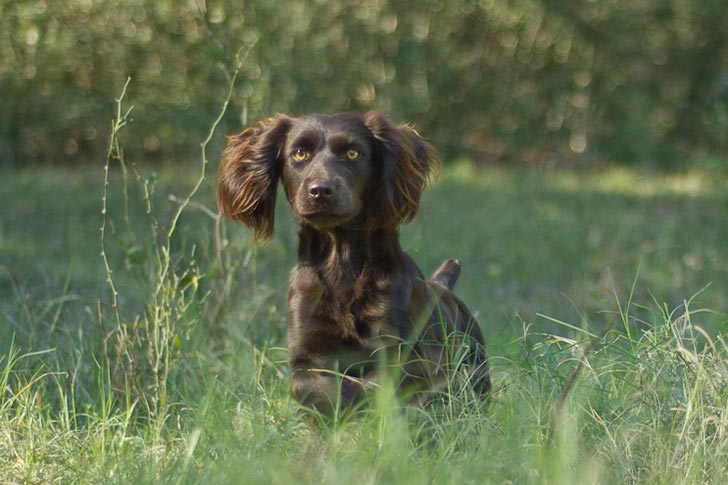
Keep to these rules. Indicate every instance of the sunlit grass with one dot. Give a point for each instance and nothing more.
(551, 259)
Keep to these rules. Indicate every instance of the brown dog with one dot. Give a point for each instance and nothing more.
(357, 303)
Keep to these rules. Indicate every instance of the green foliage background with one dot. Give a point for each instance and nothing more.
(142, 340)
(529, 80)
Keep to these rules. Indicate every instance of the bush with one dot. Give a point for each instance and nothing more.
(536, 81)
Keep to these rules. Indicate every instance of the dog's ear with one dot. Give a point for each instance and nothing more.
(407, 164)
(248, 176)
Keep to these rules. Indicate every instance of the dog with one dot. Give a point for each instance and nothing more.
(358, 305)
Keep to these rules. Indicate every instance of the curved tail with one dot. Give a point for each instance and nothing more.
(447, 274)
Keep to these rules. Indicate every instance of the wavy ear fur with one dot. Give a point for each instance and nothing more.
(248, 176)
(408, 163)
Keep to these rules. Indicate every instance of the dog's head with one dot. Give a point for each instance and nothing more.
(337, 170)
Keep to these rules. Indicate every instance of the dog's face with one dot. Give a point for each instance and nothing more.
(337, 170)
(328, 167)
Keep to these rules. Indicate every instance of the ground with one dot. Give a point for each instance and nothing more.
(619, 272)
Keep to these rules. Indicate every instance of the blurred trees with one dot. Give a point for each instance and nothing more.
(537, 81)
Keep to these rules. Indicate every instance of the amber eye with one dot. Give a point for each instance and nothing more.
(299, 154)
(352, 154)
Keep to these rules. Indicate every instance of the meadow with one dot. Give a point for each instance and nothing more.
(142, 339)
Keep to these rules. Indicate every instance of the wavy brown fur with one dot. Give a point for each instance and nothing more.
(357, 303)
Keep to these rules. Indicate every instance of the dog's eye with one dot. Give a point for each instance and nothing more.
(299, 154)
(352, 154)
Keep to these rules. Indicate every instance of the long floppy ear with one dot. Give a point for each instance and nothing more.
(248, 176)
(407, 164)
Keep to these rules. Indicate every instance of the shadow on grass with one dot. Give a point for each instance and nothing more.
(569, 244)
(563, 244)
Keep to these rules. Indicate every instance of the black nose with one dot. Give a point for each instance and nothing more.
(320, 190)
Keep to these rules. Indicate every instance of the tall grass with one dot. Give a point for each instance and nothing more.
(148, 341)
(172, 369)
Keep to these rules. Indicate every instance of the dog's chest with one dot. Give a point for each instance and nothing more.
(353, 307)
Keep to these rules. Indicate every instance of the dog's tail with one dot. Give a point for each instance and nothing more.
(447, 274)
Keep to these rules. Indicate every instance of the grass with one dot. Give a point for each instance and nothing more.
(620, 274)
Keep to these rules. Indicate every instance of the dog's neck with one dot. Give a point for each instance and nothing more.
(344, 253)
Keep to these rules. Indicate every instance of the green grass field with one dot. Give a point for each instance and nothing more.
(620, 273)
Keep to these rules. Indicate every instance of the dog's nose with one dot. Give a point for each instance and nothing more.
(320, 190)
